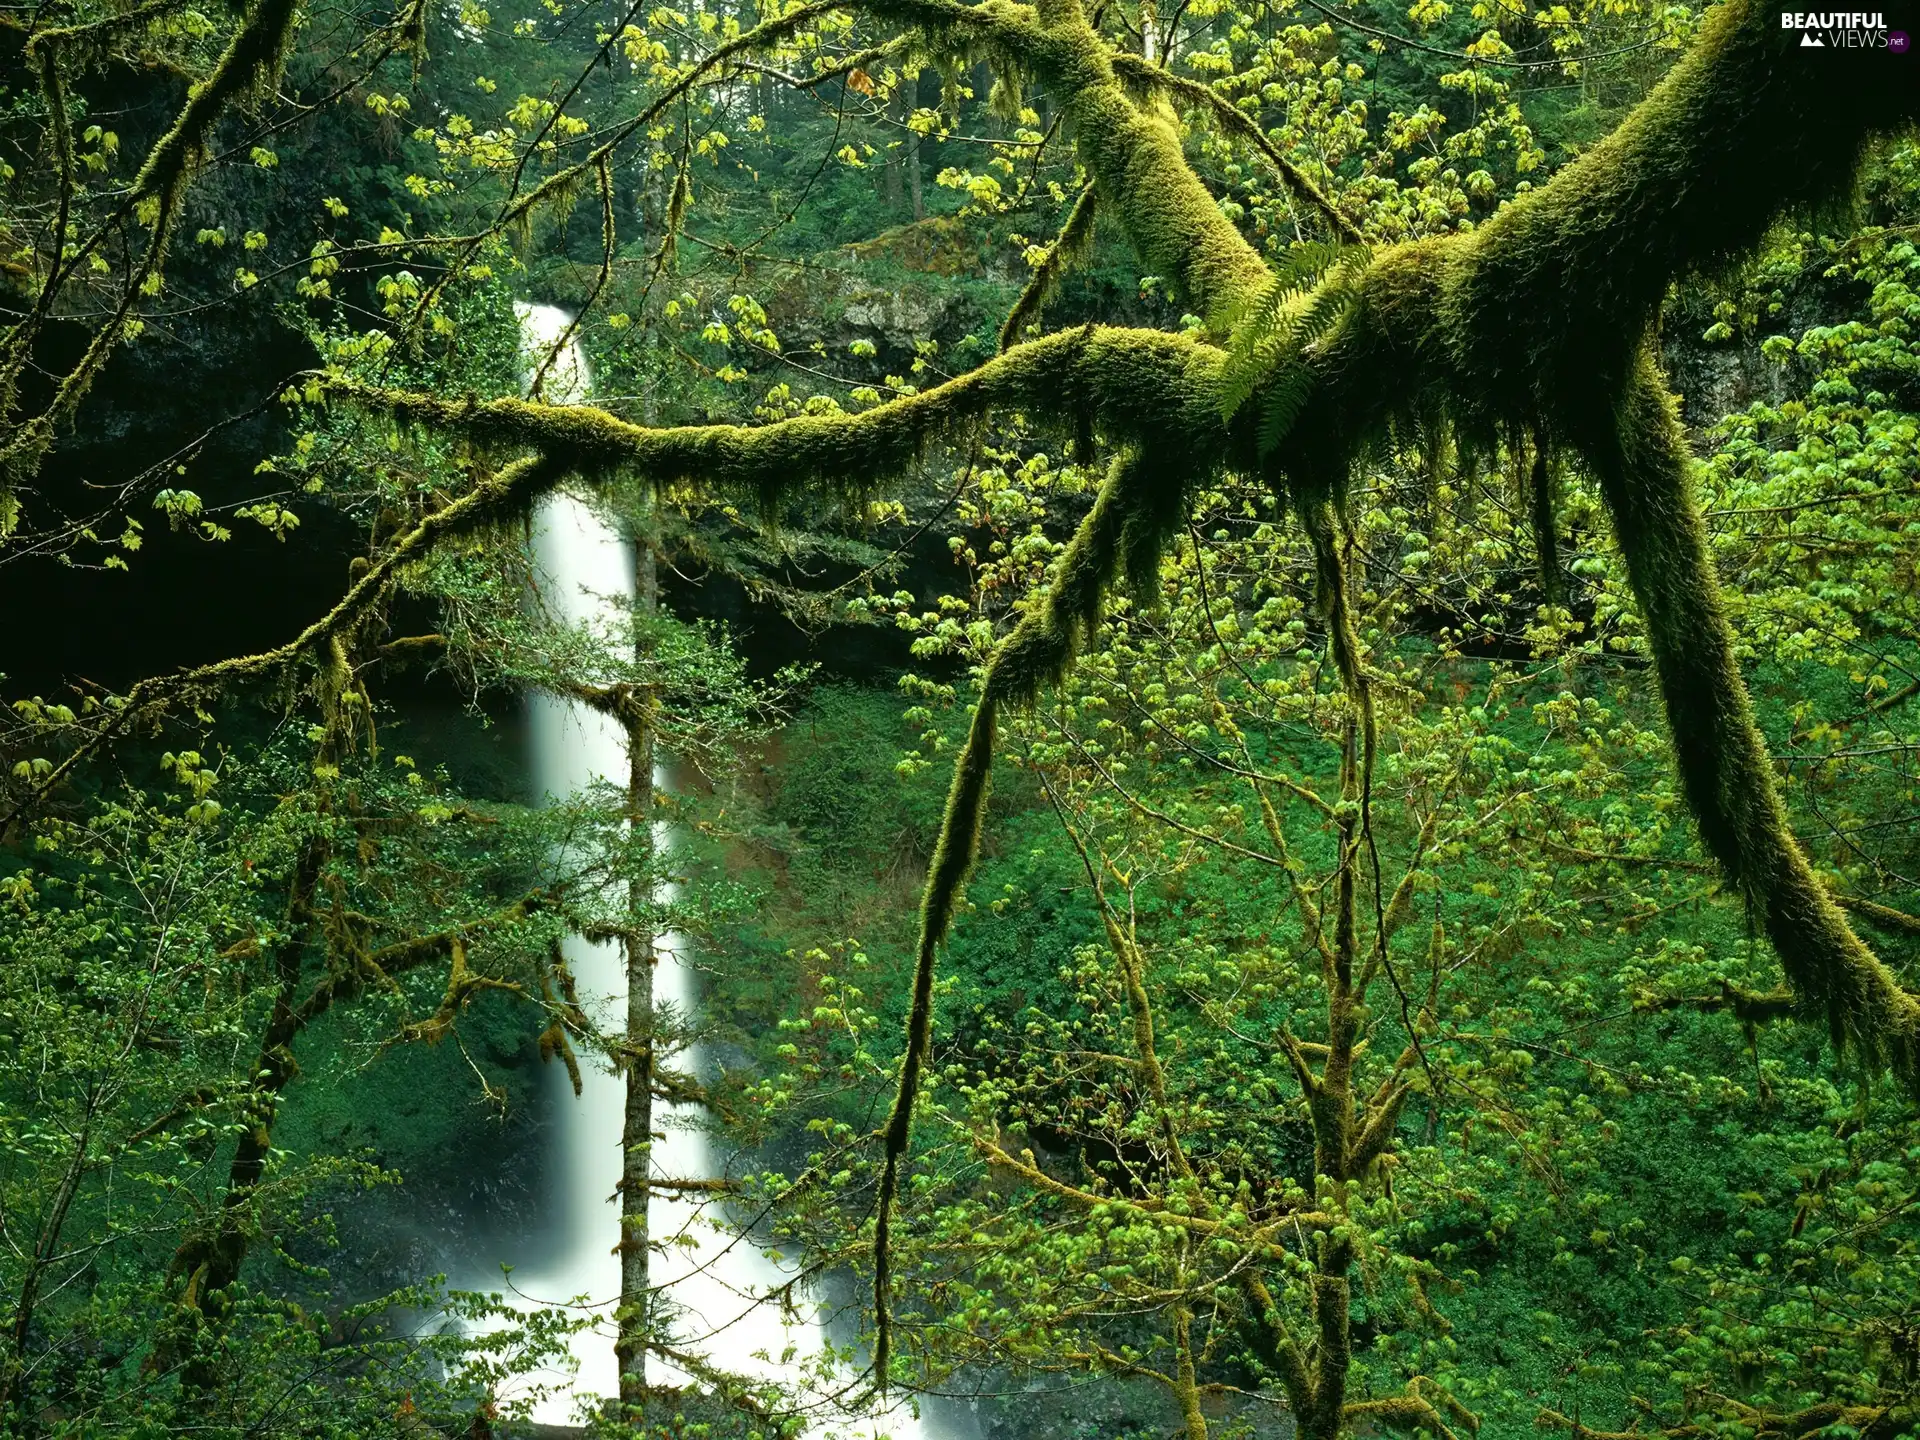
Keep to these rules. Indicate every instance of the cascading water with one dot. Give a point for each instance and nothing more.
(713, 1279)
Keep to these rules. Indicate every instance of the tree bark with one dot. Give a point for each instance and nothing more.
(210, 1261)
(14, 1364)
(634, 1312)
(899, 108)
(912, 91)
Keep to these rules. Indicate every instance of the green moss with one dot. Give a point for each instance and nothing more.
(1724, 766)
(1538, 323)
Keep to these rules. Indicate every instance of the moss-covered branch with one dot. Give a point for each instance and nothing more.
(1130, 385)
(1132, 150)
(1398, 1412)
(1725, 769)
(1538, 323)
(1868, 1421)
(1238, 123)
(1884, 917)
(249, 63)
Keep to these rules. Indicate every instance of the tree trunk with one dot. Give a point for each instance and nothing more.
(208, 1262)
(634, 1313)
(898, 156)
(910, 89)
(14, 1364)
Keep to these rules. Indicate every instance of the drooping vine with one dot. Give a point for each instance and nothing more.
(1069, 248)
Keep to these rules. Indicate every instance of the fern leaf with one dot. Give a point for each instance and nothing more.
(1275, 327)
(1285, 398)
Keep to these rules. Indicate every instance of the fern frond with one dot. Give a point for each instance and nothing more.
(1281, 405)
(1267, 329)
(1309, 297)
(1303, 265)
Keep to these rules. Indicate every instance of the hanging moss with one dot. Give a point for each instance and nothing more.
(1069, 248)
(1115, 541)
(1724, 766)
(1537, 323)
(1545, 509)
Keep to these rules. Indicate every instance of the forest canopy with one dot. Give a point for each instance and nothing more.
(1194, 719)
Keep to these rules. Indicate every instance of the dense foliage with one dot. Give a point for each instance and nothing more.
(1372, 969)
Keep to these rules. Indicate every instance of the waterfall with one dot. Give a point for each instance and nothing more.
(714, 1280)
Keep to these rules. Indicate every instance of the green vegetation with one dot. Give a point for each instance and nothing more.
(1337, 858)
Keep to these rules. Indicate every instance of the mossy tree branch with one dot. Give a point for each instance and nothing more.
(1538, 322)
(248, 64)
(1133, 386)
(1724, 766)
(1868, 1421)
(1131, 150)
(1236, 122)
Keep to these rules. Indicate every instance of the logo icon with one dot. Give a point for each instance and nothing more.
(1844, 30)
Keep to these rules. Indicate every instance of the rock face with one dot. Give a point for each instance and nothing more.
(1716, 380)
(896, 315)
(827, 311)
(1721, 378)
(895, 292)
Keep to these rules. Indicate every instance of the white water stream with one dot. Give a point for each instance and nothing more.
(713, 1278)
